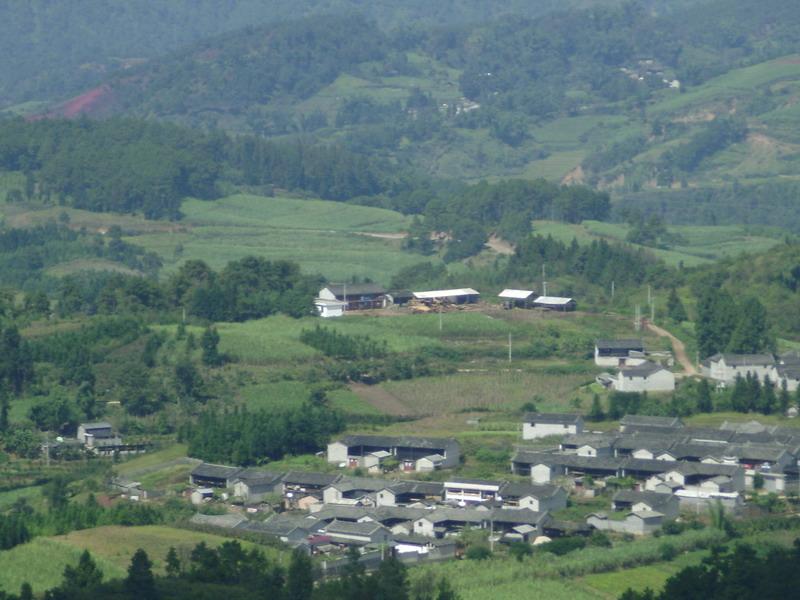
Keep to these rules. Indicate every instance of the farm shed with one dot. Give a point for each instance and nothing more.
(357, 296)
(455, 296)
(555, 303)
(517, 298)
(329, 308)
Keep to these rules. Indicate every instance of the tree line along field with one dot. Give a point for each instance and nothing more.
(41, 562)
(703, 244)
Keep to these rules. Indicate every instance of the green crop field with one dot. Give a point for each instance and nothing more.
(735, 81)
(331, 238)
(506, 391)
(41, 562)
(702, 244)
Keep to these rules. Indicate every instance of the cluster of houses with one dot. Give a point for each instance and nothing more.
(379, 453)
(696, 465)
(332, 510)
(780, 369)
(336, 299)
(638, 370)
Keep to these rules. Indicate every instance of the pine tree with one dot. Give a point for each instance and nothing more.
(26, 591)
(389, 581)
(140, 583)
(84, 575)
(300, 578)
(173, 563)
(675, 308)
(739, 394)
(704, 402)
(596, 411)
(5, 407)
(784, 398)
(751, 334)
(768, 399)
(210, 344)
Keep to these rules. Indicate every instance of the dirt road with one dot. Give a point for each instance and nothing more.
(678, 349)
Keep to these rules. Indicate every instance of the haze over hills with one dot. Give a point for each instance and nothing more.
(652, 105)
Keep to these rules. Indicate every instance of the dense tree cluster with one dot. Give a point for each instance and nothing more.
(115, 165)
(248, 288)
(742, 572)
(600, 261)
(247, 438)
(725, 325)
(26, 254)
(342, 345)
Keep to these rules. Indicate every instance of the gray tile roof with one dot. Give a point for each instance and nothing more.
(310, 479)
(648, 421)
(208, 470)
(355, 290)
(350, 528)
(621, 344)
(399, 441)
(553, 418)
(645, 369)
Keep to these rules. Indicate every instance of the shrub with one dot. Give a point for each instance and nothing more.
(478, 553)
(667, 551)
(561, 546)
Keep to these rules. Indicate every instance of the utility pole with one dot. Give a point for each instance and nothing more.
(344, 295)
(544, 288)
(509, 346)
(440, 317)
(612, 289)
(649, 295)
(653, 310)
(637, 319)
(47, 449)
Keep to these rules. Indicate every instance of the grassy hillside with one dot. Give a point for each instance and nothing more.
(41, 562)
(700, 244)
(336, 240)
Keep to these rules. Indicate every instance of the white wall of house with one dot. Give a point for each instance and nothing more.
(385, 498)
(660, 381)
(426, 465)
(532, 431)
(337, 452)
(541, 474)
(424, 527)
(721, 371)
(330, 495)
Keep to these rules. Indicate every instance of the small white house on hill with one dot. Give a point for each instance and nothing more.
(647, 377)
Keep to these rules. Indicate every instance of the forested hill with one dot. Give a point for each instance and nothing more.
(52, 49)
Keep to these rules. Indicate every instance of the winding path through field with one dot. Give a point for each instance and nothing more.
(678, 348)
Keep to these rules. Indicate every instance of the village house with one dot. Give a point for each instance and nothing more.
(254, 485)
(210, 475)
(89, 432)
(442, 522)
(517, 298)
(357, 534)
(356, 296)
(366, 451)
(588, 444)
(539, 425)
(401, 493)
(555, 303)
(646, 501)
(635, 523)
(724, 368)
(645, 423)
(618, 353)
(302, 489)
(645, 377)
(538, 498)
(353, 490)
